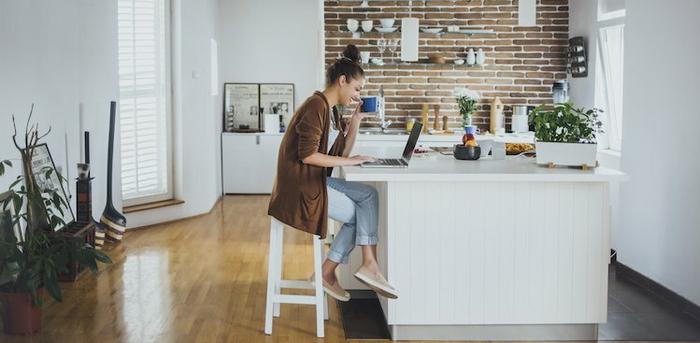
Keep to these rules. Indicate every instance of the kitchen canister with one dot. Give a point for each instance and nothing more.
(519, 120)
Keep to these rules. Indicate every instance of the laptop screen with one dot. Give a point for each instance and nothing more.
(412, 140)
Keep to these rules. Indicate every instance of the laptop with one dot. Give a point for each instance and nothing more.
(407, 152)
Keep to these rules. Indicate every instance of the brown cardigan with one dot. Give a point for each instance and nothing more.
(299, 197)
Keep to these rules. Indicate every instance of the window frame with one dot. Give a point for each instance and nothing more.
(169, 106)
(607, 21)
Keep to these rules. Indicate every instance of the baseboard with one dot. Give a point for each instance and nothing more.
(674, 300)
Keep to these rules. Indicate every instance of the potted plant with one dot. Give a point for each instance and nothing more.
(566, 135)
(32, 252)
(466, 100)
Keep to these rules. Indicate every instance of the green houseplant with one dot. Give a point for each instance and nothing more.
(32, 252)
(566, 135)
(466, 100)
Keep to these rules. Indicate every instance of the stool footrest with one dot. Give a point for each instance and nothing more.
(298, 284)
(294, 299)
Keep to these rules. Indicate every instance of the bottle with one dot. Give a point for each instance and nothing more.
(424, 117)
(480, 57)
(496, 121)
(471, 57)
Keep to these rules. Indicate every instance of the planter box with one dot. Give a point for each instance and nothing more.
(86, 231)
(566, 154)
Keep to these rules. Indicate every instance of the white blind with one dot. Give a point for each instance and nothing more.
(144, 99)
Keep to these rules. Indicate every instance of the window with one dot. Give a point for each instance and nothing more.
(609, 70)
(144, 100)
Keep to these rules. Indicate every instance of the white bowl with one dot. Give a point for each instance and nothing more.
(387, 23)
(367, 25)
(459, 61)
(386, 29)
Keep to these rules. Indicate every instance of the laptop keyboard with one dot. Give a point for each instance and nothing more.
(387, 162)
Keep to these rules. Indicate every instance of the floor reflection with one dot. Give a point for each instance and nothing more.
(147, 295)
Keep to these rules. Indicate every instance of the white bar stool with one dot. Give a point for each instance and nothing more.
(275, 284)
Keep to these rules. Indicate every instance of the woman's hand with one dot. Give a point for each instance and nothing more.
(357, 114)
(359, 159)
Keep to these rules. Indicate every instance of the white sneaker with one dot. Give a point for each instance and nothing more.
(376, 282)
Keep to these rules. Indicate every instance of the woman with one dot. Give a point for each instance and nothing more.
(304, 195)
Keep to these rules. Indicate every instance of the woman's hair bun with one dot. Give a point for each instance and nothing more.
(352, 53)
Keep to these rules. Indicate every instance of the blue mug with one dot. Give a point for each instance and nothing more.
(369, 104)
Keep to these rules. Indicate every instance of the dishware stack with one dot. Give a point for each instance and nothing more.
(387, 25)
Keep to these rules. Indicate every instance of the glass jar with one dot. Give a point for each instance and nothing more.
(560, 91)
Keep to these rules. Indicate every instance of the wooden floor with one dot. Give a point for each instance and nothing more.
(197, 280)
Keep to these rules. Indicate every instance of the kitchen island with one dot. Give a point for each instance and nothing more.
(490, 250)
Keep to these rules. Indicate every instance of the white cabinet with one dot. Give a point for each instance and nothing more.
(249, 162)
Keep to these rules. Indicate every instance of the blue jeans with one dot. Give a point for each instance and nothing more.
(356, 205)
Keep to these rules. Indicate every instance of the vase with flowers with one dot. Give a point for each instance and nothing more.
(466, 100)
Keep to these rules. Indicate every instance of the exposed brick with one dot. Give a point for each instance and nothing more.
(522, 62)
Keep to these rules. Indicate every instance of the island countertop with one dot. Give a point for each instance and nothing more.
(433, 166)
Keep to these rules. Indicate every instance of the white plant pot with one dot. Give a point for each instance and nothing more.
(566, 154)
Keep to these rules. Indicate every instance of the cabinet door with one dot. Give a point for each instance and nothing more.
(267, 162)
(239, 156)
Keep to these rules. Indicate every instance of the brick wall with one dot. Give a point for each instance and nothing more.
(521, 62)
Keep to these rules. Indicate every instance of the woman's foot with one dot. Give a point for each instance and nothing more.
(332, 287)
(374, 279)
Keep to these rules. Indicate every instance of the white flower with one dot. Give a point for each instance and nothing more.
(465, 91)
(559, 130)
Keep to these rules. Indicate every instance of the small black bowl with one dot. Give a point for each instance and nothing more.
(463, 152)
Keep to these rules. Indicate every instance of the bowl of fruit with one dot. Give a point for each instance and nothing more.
(470, 150)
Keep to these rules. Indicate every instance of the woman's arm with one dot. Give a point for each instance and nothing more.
(322, 160)
(353, 128)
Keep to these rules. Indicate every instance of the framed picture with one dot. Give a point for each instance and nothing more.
(277, 98)
(41, 162)
(241, 107)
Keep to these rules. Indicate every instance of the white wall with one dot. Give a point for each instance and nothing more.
(273, 41)
(63, 57)
(660, 217)
(197, 116)
(582, 22)
(59, 55)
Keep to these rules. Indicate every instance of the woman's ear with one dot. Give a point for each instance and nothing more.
(342, 80)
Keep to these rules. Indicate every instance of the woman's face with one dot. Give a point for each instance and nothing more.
(350, 89)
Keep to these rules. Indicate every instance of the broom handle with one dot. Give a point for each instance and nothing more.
(110, 148)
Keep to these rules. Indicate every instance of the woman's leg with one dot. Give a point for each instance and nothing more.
(342, 209)
(366, 203)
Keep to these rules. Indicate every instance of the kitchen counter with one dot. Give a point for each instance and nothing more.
(490, 250)
(433, 166)
(452, 138)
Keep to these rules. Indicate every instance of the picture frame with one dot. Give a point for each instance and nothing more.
(241, 107)
(41, 160)
(277, 98)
